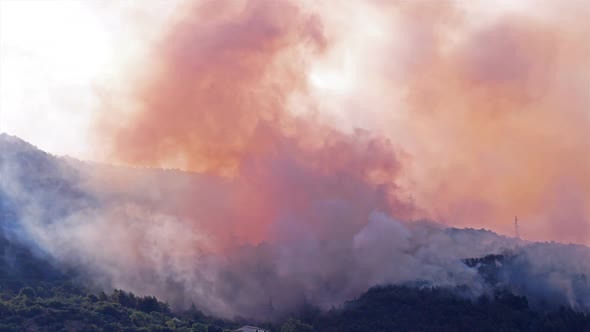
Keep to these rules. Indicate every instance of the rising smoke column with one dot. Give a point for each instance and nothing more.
(215, 100)
(277, 198)
(287, 205)
(283, 205)
(488, 117)
(487, 106)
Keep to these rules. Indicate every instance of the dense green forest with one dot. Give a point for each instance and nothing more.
(35, 296)
(395, 308)
(65, 307)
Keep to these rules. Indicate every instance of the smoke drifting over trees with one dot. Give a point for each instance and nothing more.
(131, 237)
(281, 194)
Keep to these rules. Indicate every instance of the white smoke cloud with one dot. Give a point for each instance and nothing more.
(124, 239)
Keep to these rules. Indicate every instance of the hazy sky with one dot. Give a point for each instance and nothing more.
(486, 103)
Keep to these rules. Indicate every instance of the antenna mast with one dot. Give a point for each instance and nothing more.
(516, 232)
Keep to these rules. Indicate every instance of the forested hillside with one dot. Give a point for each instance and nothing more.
(520, 289)
(35, 296)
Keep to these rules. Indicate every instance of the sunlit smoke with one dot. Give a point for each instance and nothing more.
(487, 117)
(315, 134)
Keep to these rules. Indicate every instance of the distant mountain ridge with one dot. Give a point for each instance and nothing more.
(38, 191)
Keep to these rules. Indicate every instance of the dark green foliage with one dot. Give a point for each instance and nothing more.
(62, 306)
(214, 329)
(27, 292)
(396, 308)
(294, 325)
(35, 296)
(488, 266)
(66, 307)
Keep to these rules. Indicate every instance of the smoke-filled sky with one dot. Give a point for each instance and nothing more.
(463, 112)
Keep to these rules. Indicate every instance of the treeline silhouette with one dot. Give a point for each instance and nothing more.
(35, 295)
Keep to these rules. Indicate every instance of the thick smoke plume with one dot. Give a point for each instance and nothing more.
(132, 237)
(475, 113)
(464, 121)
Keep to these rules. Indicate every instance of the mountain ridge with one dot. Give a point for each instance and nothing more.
(48, 196)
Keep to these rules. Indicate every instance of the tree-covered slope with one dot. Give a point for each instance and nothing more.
(524, 288)
(396, 308)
